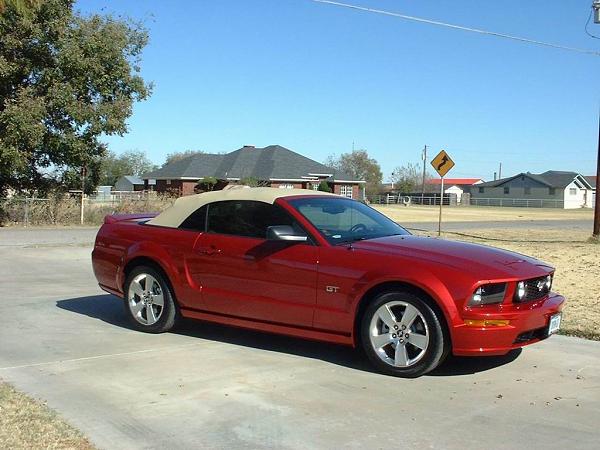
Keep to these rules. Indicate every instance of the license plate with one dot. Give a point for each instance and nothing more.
(554, 325)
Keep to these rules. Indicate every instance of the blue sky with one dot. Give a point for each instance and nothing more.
(316, 78)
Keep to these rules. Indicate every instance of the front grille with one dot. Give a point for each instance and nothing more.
(534, 289)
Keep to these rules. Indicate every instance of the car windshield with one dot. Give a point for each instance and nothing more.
(342, 220)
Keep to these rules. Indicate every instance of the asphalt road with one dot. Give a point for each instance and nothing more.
(207, 386)
(504, 224)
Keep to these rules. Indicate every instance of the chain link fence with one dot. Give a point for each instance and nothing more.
(59, 210)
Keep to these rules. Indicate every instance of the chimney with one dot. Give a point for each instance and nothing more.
(495, 174)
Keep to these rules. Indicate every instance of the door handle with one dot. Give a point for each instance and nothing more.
(212, 250)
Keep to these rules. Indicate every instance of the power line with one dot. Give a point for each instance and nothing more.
(587, 24)
(459, 27)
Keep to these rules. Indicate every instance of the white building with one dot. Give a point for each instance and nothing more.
(457, 186)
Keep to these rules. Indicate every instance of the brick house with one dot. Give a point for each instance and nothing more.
(274, 166)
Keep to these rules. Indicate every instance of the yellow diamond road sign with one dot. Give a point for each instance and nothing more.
(442, 163)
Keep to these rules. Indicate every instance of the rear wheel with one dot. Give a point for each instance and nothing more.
(149, 302)
(402, 335)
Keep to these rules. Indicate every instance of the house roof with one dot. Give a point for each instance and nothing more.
(551, 178)
(133, 179)
(591, 180)
(269, 163)
(184, 206)
(455, 181)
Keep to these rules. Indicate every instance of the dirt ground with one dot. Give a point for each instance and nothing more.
(401, 213)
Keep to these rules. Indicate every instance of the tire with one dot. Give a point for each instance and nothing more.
(149, 301)
(402, 335)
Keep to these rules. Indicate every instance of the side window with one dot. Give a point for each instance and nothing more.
(196, 221)
(245, 218)
(506, 190)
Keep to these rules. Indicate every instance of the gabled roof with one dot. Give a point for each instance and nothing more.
(455, 181)
(551, 178)
(269, 163)
(133, 179)
(591, 180)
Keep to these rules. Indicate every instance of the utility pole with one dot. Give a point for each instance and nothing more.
(597, 208)
(424, 156)
(596, 233)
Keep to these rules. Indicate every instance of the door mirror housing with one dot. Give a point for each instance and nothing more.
(285, 233)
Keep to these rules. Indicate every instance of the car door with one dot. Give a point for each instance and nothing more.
(242, 274)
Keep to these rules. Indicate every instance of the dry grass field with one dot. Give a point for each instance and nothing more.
(480, 213)
(28, 424)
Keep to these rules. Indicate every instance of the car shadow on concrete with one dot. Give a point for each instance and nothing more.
(109, 309)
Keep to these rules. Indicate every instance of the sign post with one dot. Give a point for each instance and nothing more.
(442, 164)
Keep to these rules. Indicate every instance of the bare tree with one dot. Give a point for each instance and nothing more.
(408, 178)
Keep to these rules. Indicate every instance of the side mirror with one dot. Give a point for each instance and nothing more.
(285, 233)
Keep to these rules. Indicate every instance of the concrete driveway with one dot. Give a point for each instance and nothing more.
(206, 386)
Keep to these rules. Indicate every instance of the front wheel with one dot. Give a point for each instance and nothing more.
(149, 302)
(402, 335)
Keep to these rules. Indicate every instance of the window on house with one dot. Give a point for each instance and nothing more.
(527, 190)
(481, 190)
(346, 190)
(168, 181)
(246, 218)
(315, 186)
(286, 186)
(573, 191)
(552, 191)
(506, 190)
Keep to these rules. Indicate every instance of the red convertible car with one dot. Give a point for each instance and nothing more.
(324, 267)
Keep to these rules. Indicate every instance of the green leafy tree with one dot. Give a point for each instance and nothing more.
(206, 184)
(132, 162)
(65, 80)
(358, 164)
(324, 186)
(22, 6)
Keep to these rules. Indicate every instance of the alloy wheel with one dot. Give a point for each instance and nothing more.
(146, 299)
(399, 334)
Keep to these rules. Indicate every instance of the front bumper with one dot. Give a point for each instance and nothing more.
(527, 324)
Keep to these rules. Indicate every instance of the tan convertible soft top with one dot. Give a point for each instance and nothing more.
(184, 206)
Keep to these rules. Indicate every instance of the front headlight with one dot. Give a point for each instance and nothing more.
(548, 283)
(521, 291)
(488, 294)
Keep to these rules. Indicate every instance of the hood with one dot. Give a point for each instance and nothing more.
(482, 261)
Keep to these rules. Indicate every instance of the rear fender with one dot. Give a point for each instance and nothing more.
(154, 252)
